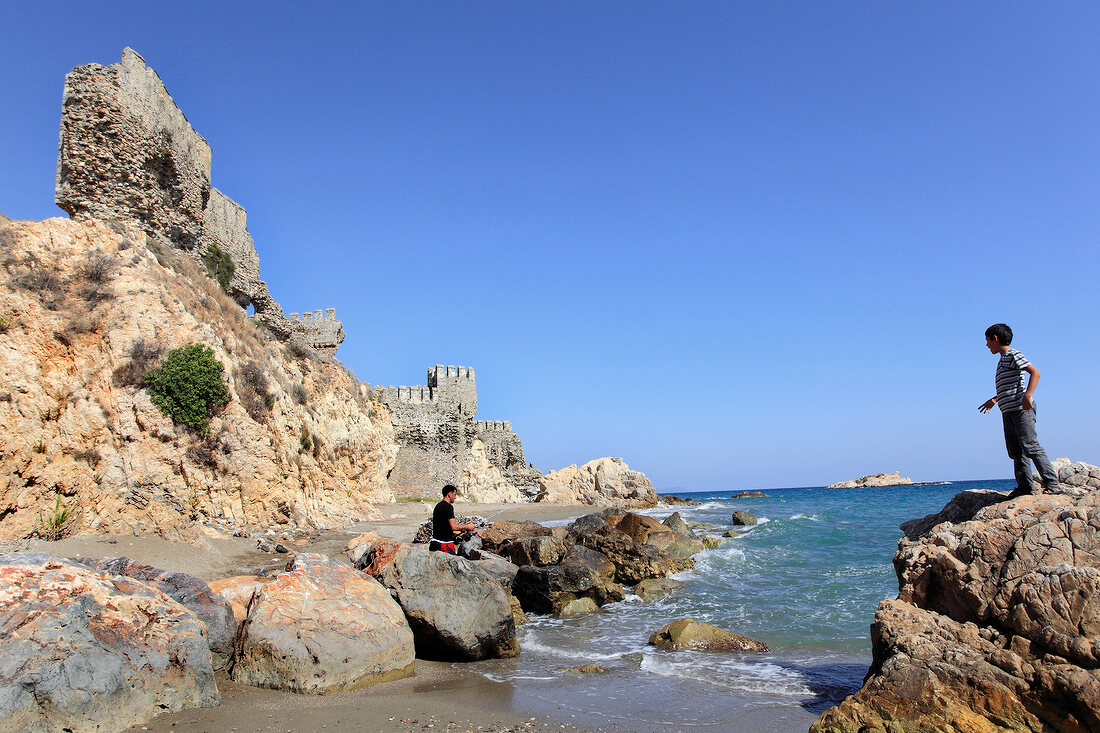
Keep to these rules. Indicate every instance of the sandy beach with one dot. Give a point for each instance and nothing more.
(440, 696)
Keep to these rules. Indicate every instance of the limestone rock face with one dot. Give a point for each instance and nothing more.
(190, 592)
(633, 561)
(322, 627)
(483, 482)
(996, 624)
(457, 611)
(92, 309)
(83, 650)
(602, 482)
(873, 480)
(688, 633)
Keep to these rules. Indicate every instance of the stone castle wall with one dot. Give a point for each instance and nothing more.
(434, 425)
(128, 153)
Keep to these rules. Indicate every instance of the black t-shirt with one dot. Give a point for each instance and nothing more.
(442, 515)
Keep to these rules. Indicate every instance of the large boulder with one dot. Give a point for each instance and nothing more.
(84, 650)
(677, 524)
(322, 627)
(238, 591)
(633, 561)
(646, 530)
(744, 519)
(584, 573)
(456, 609)
(537, 550)
(500, 534)
(602, 482)
(187, 590)
(687, 633)
(996, 625)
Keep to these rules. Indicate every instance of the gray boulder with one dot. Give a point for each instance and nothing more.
(744, 519)
(677, 524)
(456, 610)
(86, 651)
(633, 560)
(187, 590)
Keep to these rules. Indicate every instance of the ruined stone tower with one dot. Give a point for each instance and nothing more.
(128, 153)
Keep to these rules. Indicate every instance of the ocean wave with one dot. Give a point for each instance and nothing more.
(812, 517)
(534, 645)
(758, 677)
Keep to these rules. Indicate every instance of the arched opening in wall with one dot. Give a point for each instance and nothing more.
(250, 310)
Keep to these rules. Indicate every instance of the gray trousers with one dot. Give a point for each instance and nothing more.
(1023, 448)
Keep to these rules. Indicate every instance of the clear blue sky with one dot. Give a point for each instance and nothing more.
(738, 244)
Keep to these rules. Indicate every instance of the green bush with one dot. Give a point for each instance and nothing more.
(219, 264)
(188, 386)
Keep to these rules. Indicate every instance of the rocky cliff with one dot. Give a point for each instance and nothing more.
(85, 309)
(602, 482)
(996, 626)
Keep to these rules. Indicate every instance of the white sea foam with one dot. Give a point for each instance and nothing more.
(531, 644)
(811, 517)
(759, 676)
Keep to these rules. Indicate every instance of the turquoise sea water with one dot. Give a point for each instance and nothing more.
(806, 581)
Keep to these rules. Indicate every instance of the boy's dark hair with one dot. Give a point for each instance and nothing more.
(449, 488)
(1001, 331)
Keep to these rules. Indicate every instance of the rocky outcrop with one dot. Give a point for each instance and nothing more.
(633, 561)
(500, 534)
(996, 624)
(190, 592)
(744, 519)
(548, 550)
(602, 482)
(874, 480)
(297, 446)
(687, 633)
(457, 611)
(583, 581)
(83, 650)
(322, 627)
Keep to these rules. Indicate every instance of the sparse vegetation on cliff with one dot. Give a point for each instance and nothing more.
(188, 386)
(219, 264)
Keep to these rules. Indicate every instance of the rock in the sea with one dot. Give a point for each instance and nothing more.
(749, 495)
(322, 627)
(646, 530)
(997, 622)
(654, 588)
(633, 561)
(187, 590)
(584, 669)
(584, 573)
(873, 480)
(677, 524)
(673, 500)
(84, 651)
(457, 611)
(744, 519)
(602, 482)
(545, 550)
(687, 633)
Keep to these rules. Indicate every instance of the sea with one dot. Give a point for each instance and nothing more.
(806, 580)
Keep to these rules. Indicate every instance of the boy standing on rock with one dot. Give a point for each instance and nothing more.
(1018, 411)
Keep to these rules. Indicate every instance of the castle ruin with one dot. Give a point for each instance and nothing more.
(127, 152)
(435, 428)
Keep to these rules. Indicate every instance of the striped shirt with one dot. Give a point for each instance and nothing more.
(1010, 380)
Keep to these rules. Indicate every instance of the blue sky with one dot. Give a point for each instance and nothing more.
(738, 244)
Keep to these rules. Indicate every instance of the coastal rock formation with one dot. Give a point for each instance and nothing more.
(654, 588)
(874, 480)
(646, 530)
(238, 591)
(687, 633)
(744, 519)
(322, 627)
(583, 581)
(498, 536)
(602, 482)
(547, 550)
(128, 154)
(190, 592)
(92, 307)
(456, 610)
(996, 624)
(750, 495)
(84, 650)
(633, 561)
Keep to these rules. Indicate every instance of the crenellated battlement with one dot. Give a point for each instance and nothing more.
(439, 374)
(320, 328)
(493, 426)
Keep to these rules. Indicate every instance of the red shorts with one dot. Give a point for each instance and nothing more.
(447, 547)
